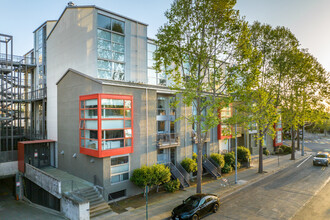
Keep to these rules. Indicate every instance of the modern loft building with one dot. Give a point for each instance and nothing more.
(93, 109)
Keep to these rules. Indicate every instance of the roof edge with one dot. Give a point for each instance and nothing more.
(78, 73)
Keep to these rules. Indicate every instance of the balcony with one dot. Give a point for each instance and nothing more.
(167, 140)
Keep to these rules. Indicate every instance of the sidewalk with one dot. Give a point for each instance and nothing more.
(162, 208)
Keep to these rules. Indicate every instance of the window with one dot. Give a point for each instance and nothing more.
(119, 169)
(88, 124)
(117, 195)
(115, 124)
(278, 137)
(106, 124)
(154, 78)
(110, 48)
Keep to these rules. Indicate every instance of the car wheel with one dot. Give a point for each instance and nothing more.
(195, 217)
(215, 207)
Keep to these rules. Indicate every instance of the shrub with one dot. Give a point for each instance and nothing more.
(266, 152)
(143, 176)
(161, 174)
(172, 185)
(286, 149)
(219, 159)
(243, 154)
(194, 156)
(226, 168)
(189, 165)
(230, 159)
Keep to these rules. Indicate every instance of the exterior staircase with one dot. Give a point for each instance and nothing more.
(210, 168)
(176, 174)
(97, 204)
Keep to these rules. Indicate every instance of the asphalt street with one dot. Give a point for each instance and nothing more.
(279, 196)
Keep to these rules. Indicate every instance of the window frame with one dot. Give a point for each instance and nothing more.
(100, 152)
(121, 173)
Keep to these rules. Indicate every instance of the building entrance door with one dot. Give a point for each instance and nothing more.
(173, 155)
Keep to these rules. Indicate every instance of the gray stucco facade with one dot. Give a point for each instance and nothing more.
(75, 84)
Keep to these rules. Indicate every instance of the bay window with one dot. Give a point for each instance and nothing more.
(106, 124)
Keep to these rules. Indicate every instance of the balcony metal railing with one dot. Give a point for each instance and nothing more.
(194, 137)
(167, 140)
(28, 60)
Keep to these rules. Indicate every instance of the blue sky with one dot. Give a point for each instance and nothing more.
(309, 20)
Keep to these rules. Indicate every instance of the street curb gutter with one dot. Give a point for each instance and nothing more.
(238, 189)
(316, 192)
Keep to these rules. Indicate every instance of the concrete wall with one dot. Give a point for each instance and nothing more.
(44, 180)
(74, 207)
(69, 91)
(72, 44)
(144, 153)
(8, 168)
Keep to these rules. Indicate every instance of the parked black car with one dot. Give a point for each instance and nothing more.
(196, 206)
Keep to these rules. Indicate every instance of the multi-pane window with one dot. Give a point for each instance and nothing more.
(119, 169)
(110, 48)
(278, 137)
(106, 125)
(89, 124)
(116, 123)
(154, 78)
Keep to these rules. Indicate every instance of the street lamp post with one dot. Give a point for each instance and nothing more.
(236, 149)
(303, 141)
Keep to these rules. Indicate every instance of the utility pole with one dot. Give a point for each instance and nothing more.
(236, 148)
(303, 141)
(147, 202)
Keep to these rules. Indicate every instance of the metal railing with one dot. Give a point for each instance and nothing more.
(28, 60)
(184, 172)
(194, 136)
(167, 140)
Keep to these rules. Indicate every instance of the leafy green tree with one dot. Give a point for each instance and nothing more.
(303, 92)
(143, 177)
(259, 102)
(161, 174)
(203, 47)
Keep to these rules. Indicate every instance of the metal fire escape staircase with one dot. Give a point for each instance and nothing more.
(176, 174)
(210, 168)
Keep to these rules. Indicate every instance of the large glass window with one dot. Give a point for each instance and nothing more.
(154, 78)
(88, 124)
(106, 123)
(116, 123)
(111, 48)
(119, 169)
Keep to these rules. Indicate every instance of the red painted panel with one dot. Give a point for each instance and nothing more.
(20, 156)
(111, 152)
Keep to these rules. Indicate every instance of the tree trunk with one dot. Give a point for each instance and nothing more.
(293, 143)
(298, 139)
(260, 169)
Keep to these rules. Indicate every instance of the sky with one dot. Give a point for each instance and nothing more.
(309, 20)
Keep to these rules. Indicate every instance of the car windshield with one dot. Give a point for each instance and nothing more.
(321, 156)
(193, 201)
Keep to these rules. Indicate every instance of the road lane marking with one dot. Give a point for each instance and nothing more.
(304, 161)
(323, 168)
